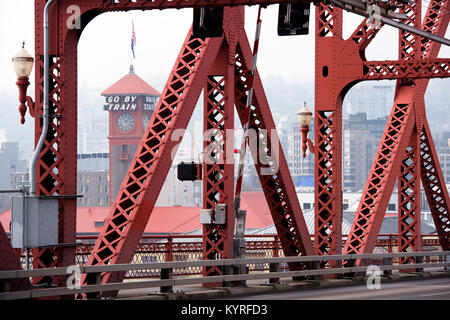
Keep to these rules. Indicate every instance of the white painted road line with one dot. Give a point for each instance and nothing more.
(435, 294)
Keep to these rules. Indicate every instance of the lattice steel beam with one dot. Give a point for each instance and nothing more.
(383, 174)
(218, 174)
(409, 209)
(435, 188)
(329, 86)
(408, 69)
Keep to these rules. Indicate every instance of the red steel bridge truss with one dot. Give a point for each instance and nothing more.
(219, 68)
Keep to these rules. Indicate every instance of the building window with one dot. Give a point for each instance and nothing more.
(391, 206)
(99, 224)
(307, 205)
(344, 206)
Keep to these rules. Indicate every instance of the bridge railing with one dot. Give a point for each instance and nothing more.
(166, 248)
(167, 280)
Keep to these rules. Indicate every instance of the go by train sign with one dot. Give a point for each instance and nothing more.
(130, 103)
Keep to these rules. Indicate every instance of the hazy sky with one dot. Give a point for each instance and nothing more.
(105, 54)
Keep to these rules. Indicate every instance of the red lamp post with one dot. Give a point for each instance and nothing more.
(23, 64)
(304, 117)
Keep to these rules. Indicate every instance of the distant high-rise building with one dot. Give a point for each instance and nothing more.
(374, 100)
(10, 163)
(361, 138)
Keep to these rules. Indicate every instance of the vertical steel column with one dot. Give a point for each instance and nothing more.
(409, 210)
(218, 162)
(56, 167)
(328, 134)
(409, 179)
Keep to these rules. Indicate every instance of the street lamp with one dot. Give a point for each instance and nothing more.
(23, 64)
(304, 117)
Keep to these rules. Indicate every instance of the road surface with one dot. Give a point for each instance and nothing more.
(431, 289)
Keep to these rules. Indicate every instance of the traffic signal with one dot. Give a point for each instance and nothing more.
(208, 22)
(293, 19)
(189, 171)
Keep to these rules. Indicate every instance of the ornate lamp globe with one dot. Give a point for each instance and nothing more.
(23, 63)
(304, 116)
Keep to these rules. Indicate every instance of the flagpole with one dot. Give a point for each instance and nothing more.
(133, 40)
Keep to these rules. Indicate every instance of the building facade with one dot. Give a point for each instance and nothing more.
(10, 163)
(130, 103)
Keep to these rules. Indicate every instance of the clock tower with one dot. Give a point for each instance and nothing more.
(130, 103)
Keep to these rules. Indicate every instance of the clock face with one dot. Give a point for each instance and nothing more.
(145, 120)
(125, 122)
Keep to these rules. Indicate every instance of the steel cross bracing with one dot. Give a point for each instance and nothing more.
(200, 63)
(56, 167)
(340, 64)
(398, 154)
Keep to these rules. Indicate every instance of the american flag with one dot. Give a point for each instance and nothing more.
(133, 39)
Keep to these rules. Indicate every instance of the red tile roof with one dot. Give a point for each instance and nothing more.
(167, 219)
(131, 84)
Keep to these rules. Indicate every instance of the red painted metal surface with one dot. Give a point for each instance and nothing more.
(120, 235)
(278, 186)
(218, 161)
(409, 200)
(340, 64)
(143, 182)
(405, 144)
(328, 132)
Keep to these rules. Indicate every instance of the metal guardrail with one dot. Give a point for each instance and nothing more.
(165, 248)
(167, 282)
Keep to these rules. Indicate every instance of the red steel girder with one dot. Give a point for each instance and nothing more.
(328, 177)
(141, 186)
(151, 163)
(385, 169)
(218, 162)
(409, 43)
(329, 87)
(363, 35)
(56, 167)
(435, 188)
(408, 69)
(340, 64)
